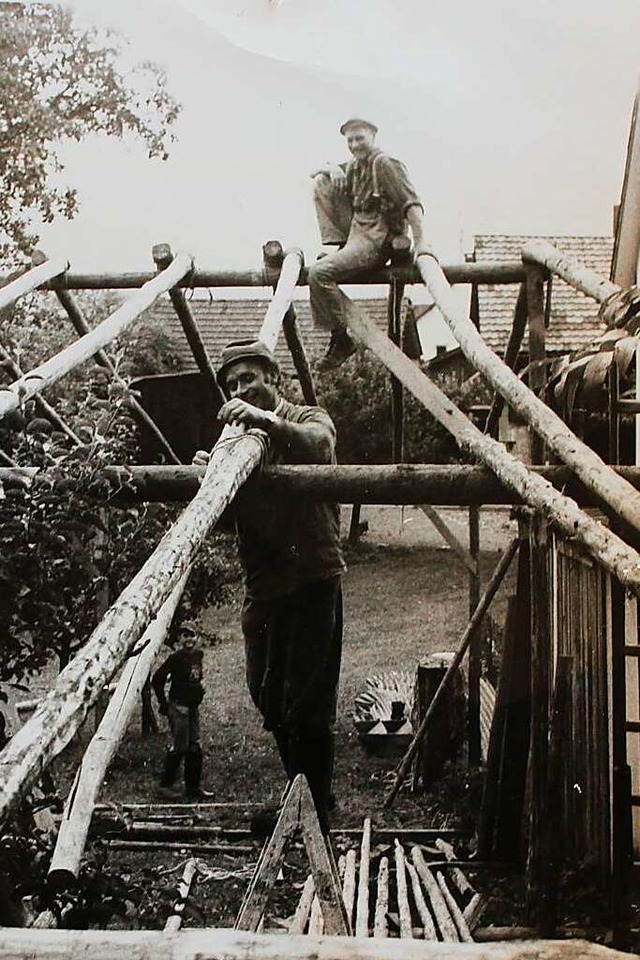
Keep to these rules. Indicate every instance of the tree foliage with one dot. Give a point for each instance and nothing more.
(60, 82)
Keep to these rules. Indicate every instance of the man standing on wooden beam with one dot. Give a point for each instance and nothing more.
(292, 559)
(361, 206)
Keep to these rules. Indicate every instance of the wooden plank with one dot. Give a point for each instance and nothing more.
(76, 817)
(380, 924)
(449, 536)
(402, 893)
(52, 370)
(587, 465)
(13, 289)
(362, 905)
(349, 882)
(483, 605)
(21, 944)
(609, 549)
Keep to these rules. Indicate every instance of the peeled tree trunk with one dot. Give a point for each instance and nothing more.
(609, 487)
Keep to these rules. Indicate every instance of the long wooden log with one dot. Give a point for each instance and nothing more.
(49, 372)
(443, 485)
(24, 943)
(448, 929)
(494, 273)
(78, 686)
(362, 905)
(596, 475)
(483, 605)
(174, 922)
(615, 555)
(31, 280)
(76, 818)
(582, 278)
(380, 923)
(402, 893)
(428, 926)
(81, 327)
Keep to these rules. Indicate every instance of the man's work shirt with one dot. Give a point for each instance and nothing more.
(184, 669)
(379, 186)
(286, 544)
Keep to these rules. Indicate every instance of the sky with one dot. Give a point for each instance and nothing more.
(511, 118)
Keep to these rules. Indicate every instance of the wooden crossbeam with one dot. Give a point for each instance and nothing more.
(298, 816)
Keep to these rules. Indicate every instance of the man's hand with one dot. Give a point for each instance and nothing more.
(335, 173)
(238, 411)
(200, 458)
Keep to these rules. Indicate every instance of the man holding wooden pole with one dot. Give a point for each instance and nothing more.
(290, 550)
(361, 207)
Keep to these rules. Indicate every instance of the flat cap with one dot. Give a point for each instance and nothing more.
(357, 122)
(244, 350)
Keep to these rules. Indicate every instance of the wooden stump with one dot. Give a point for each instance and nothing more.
(444, 739)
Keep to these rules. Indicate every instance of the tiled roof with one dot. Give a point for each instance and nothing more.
(574, 316)
(221, 321)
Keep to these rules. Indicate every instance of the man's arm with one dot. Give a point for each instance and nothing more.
(309, 441)
(394, 183)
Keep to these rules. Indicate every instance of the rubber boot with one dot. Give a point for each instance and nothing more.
(171, 766)
(193, 775)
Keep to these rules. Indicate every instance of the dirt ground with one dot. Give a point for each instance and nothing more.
(405, 594)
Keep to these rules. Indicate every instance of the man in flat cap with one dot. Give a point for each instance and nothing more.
(290, 551)
(360, 206)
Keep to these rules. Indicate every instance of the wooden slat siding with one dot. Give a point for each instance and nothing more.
(581, 635)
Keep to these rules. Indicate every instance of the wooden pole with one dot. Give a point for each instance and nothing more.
(162, 257)
(81, 327)
(233, 459)
(483, 605)
(174, 922)
(493, 273)
(394, 330)
(31, 280)
(444, 485)
(537, 344)
(475, 646)
(582, 278)
(610, 550)
(620, 496)
(272, 258)
(49, 372)
(45, 408)
(362, 906)
(76, 818)
(78, 686)
(510, 357)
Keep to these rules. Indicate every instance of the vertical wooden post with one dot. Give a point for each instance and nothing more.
(510, 357)
(539, 753)
(621, 813)
(394, 326)
(537, 348)
(614, 416)
(475, 648)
